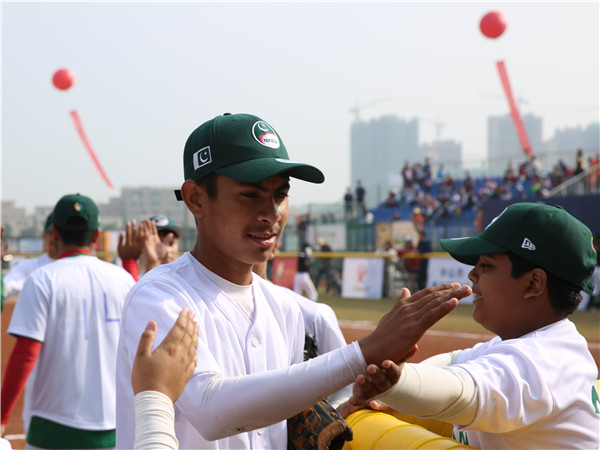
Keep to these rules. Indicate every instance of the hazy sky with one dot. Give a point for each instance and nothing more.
(149, 73)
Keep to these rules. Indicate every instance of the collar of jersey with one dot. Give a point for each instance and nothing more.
(78, 252)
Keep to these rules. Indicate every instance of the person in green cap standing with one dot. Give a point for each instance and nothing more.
(533, 385)
(250, 375)
(66, 321)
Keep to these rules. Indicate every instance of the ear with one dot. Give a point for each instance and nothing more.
(537, 283)
(96, 235)
(194, 197)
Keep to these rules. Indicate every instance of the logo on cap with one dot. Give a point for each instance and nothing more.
(161, 221)
(528, 244)
(202, 157)
(265, 134)
(77, 206)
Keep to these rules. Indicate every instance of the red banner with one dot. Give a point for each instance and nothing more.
(89, 148)
(284, 271)
(514, 111)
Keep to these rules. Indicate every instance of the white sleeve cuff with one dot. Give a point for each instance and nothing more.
(154, 421)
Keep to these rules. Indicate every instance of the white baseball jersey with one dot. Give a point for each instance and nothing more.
(15, 279)
(246, 382)
(73, 306)
(533, 392)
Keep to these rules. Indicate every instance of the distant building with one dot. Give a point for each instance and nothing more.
(448, 153)
(142, 202)
(16, 219)
(378, 150)
(40, 214)
(565, 142)
(504, 145)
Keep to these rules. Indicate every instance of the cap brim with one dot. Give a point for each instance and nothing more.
(256, 170)
(468, 250)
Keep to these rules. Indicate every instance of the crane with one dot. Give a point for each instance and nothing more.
(359, 106)
(438, 124)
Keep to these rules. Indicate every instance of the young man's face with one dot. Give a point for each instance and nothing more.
(242, 225)
(499, 297)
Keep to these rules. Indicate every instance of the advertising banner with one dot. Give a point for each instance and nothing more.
(284, 271)
(448, 270)
(362, 278)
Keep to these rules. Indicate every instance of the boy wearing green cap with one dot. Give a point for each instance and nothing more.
(250, 375)
(534, 385)
(156, 240)
(66, 322)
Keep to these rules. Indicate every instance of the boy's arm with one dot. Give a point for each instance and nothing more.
(21, 363)
(447, 394)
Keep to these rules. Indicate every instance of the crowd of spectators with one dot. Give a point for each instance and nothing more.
(441, 196)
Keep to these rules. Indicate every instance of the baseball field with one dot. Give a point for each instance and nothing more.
(357, 318)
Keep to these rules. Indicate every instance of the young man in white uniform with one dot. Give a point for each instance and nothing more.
(250, 376)
(15, 279)
(67, 319)
(534, 385)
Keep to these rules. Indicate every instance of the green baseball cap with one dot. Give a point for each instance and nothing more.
(548, 236)
(243, 147)
(166, 224)
(76, 212)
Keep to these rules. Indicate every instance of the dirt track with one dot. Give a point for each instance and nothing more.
(434, 341)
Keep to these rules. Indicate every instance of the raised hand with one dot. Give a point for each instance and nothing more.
(376, 381)
(131, 245)
(400, 329)
(169, 367)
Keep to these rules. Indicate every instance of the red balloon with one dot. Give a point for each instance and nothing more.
(63, 79)
(493, 24)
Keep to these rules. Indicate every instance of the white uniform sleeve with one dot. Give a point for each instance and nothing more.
(227, 406)
(448, 394)
(443, 359)
(154, 422)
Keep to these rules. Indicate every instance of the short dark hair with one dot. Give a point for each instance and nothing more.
(209, 182)
(564, 296)
(165, 231)
(80, 238)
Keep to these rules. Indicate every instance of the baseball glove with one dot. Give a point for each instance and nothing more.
(318, 427)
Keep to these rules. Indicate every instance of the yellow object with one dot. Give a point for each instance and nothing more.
(435, 426)
(379, 430)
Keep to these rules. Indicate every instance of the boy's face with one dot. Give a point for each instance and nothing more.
(242, 225)
(499, 297)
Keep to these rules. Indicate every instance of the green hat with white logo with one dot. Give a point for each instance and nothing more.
(243, 147)
(163, 223)
(547, 236)
(76, 212)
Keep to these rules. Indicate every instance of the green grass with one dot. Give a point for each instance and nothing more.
(588, 323)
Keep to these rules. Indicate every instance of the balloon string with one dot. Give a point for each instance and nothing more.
(514, 111)
(89, 148)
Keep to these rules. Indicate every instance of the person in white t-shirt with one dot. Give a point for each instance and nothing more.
(15, 279)
(250, 375)
(66, 321)
(533, 385)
